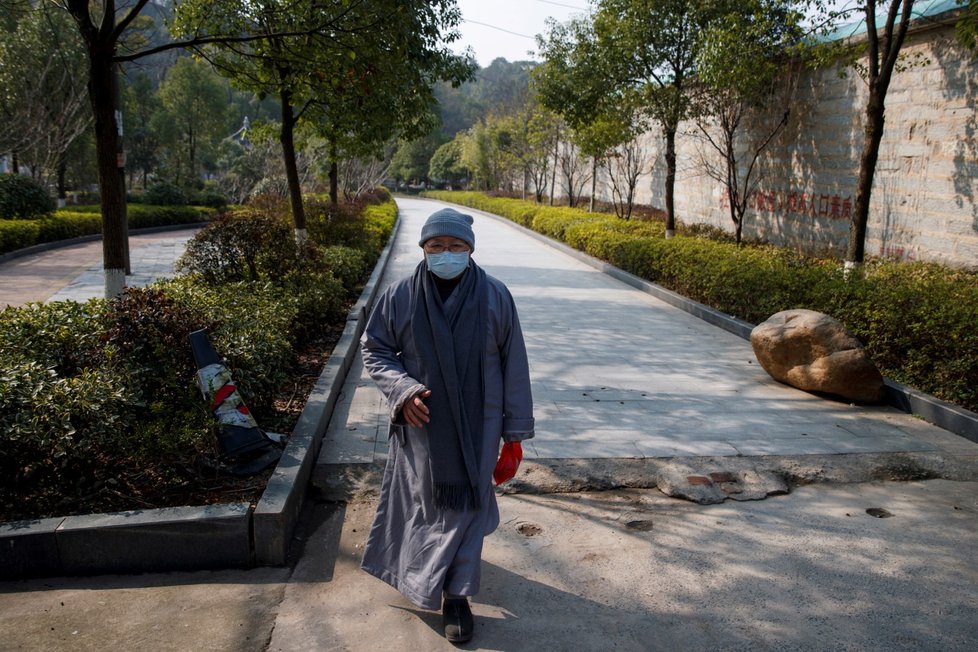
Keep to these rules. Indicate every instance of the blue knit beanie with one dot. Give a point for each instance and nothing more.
(450, 222)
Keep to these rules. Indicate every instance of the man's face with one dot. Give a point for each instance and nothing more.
(447, 256)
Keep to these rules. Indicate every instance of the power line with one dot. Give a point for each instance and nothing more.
(475, 22)
(560, 4)
(509, 31)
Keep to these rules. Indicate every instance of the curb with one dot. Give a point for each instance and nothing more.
(906, 399)
(197, 538)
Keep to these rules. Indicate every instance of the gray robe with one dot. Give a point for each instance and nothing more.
(415, 547)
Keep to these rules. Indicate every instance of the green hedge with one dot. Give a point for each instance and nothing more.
(917, 320)
(87, 220)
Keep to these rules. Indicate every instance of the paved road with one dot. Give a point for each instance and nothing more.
(619, 379)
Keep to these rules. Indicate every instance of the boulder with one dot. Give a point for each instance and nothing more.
(814, 352)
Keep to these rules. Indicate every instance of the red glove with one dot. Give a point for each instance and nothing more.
(509, 460)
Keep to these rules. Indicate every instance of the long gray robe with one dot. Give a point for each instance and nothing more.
(415, 547)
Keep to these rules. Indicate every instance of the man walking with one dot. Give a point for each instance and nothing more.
(445, 348)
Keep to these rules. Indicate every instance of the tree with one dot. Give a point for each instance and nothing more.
(967, 26)
(531, 130)
(745, 80)
(362, 81)
(387, 91)
(195, 106)
(653, 45)
(43, 82)
(570, 84)
(882, 51)
(625, 157)
(446, 164)
(140, 103)
(411, 159)
(108, 30)
(574, 170)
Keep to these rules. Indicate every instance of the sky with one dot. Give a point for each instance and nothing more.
(508, 28)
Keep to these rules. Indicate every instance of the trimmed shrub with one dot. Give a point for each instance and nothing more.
(65, 225)
(87, 220)
(347, 264)
(56, 399)
(164, 193)
(210, 198)
(253, 327)
(340, 225)
(22, 198)
(243, 246)
(18, 234)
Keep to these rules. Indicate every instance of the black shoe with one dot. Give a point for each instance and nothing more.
(456, 617)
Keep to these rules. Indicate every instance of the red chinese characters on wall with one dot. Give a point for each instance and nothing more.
(834, 207)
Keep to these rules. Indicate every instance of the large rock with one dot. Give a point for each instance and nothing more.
(814, 352)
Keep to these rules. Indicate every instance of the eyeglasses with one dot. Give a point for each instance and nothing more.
(438, 248)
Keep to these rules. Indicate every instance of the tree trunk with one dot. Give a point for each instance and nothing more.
(334, 184)
(670, 181)
(553, 173)
(102, 92)
(62, 172)
(872, 135)
(594, 182)
(287, 138)
(334, 176)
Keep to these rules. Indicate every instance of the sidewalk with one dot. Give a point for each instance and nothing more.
(75, 272)
(621, 381)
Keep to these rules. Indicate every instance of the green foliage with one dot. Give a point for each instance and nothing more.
(247, 245)
(347, 264)
(378, 224)
(85, 386)
(253, 328)
(18, 234)
(916, 320)
(210, 198)
(320, 299)
(446, 164)
(23, 198)
(344, 224)
(164, 193)
(63, 336)
(144, 216)
(967, 27)
(45, 417)
(87, 220)
(55, 401)
(150, 331)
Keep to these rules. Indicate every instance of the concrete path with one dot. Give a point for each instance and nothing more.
(619, 378)
(75, 272)
(617, 373)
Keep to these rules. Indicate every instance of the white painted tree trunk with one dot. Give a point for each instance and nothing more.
(115, 282)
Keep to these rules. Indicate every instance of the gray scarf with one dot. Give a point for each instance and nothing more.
(451, 344)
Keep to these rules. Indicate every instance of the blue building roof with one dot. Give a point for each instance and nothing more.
(921, 9)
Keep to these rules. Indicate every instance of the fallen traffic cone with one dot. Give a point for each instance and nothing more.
(245, 447)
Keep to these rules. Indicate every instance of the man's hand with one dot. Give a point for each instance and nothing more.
(415, 411)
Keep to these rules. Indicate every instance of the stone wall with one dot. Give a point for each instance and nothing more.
(925, 193)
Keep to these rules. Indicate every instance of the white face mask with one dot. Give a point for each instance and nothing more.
(447, 265)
